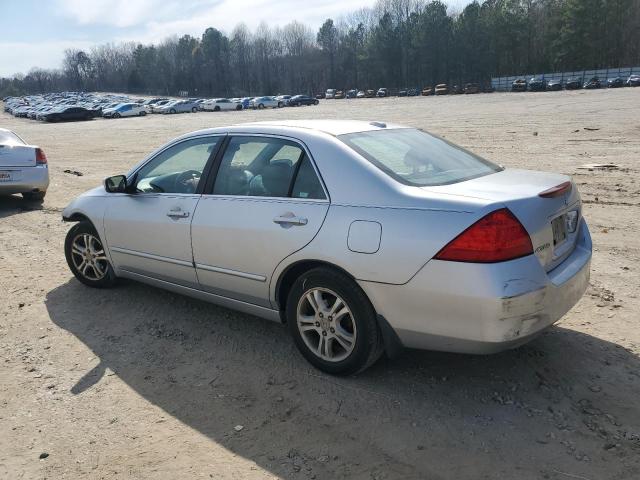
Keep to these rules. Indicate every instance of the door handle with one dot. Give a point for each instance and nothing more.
(290, 219)
(177, 214)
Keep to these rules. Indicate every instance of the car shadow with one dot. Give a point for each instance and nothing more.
(15, 204)
(566, 397)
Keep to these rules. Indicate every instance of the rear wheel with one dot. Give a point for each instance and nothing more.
(34, 196)
(261, 106)
(216, 108)
(173, 110)
(194, 109)
(116, 115)
(316, 102)
(333, 323)
(87, 258)
(239, 107)
(143, 113)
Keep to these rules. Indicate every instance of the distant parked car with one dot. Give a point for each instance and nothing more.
(471, 88)
(402, 92)
(633, 81)
(574, 83)
(457, 90)
(615, 82)
(370, 93)
(537, 84)
(284, 99)
(442, 89)
(554, 85)
(339, 94)
(412, 92)
(593, 83)
(179, 106)
(382, 92)
(351, 93)
(125, 110)
(220, 104)
(23, 168)
(265, 102)
(68, 114)
(330, 94)
(298, 100)
(360, 94)
(426, 91)
(519, 85)
(155, 107)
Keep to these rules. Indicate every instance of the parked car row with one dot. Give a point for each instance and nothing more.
(72, 106)
(540, 84)
(439, 89)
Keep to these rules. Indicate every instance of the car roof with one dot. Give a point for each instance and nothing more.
(332, 127)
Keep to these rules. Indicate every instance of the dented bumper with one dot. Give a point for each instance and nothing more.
(482, 308)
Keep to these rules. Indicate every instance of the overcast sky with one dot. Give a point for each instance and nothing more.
(36, 32)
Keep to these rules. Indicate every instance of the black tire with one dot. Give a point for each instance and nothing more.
(79, 229)
(142, 113)
(239, 107)
(280, 105)
(116, 115)
(194, 109)
(34, 196)
(261, 106)
(216, 108)
(316, 102)
(173, 110)
(368, 341)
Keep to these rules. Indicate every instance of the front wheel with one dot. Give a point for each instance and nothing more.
(87, 258)
(316, 102)
(143, 113)
(261, 106)
(333, 323)
(116, 115)
(173, 110)
(194, 109)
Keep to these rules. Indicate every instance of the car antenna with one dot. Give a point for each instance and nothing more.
(378, 124)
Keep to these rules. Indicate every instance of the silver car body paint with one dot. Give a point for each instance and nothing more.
(229, 251)
(19, 171)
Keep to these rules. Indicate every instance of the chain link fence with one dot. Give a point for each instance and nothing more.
(503, 84)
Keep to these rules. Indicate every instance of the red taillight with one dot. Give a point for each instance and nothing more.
(497, 237)
(556, 191)
(41, 158)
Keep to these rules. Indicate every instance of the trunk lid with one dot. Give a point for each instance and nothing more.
(17, 156)
(549, 221)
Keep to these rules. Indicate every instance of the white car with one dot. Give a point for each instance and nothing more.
(220, 104)
(23, 168)
(125, 110)
(265, 102)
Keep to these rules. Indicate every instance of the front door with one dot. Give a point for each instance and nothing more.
(267, 202)
(148, 232)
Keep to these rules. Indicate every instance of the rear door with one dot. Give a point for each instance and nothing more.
(265, 203)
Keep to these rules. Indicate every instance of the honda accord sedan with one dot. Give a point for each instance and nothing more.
(361, 237)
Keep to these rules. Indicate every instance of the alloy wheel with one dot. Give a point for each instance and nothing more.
(326, 324)
(89, 257)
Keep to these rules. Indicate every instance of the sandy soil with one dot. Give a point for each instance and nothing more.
(139, 383)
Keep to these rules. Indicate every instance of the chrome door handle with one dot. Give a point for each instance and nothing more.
(290, 219)
(177, 214)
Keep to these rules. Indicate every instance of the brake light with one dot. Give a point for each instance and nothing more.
(497, 237)
(556, 191)
(41, 158)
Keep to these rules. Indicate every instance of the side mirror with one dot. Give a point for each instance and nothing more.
(116, 184)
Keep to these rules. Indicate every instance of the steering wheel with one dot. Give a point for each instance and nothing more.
(186, 182)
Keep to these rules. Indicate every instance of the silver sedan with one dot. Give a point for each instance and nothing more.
(361, 237)
(23, 168)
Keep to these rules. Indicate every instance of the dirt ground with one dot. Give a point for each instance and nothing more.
(138, 383)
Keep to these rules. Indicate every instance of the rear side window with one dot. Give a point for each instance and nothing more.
(416, 158)
(10, 138)
(307, 184)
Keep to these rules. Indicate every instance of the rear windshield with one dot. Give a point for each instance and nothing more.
(9, 138)
(417, 158)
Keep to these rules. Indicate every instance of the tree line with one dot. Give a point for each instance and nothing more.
(397, 43)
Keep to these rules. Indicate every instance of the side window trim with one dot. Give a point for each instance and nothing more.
(207, 168)
(208, 190)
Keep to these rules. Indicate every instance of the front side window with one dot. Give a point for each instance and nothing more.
(264, 167)
(178, 169)
(416, 158)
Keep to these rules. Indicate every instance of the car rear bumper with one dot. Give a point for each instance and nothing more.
(482, 308)
(26, 179)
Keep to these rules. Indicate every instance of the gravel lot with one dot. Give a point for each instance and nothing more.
(139, 383)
